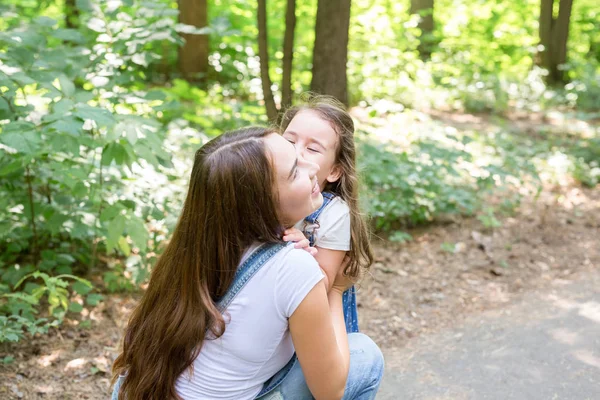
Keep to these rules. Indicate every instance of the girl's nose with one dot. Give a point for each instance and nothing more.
(300, 151)
(311, 167)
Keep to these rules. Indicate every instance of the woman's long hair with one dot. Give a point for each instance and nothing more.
(360, 255)
(231, 203)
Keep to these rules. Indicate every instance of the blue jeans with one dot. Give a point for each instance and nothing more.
(364, 376)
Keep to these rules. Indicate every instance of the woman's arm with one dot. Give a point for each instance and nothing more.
(319, 335)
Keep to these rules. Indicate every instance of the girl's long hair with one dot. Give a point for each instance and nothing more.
(231, 202)
(360, 255)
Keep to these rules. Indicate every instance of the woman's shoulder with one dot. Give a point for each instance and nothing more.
(297, 258)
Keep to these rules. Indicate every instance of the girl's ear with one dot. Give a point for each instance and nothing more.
(334, 174)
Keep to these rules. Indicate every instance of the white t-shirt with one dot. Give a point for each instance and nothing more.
(334, 226)
(257, 341)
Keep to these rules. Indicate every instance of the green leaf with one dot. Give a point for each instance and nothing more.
(69, 35)
(63, 106)
(110, 212)
(75, 307)
(65, 144)
(146, 154)
(93, 299)
(101, 116)
(115, 231)
(11, 167)
(5, 110)
(65, 259)
(120, 154)
(129, 128)
(69, 125)
(124, 246)
(131, 134)
(155, 95)
(45, 21)
(80, 190)
(138, 232)
(66, 86)
(55, 223)
(11, 337)
(107, 154)
(81, 287)
(21, 136)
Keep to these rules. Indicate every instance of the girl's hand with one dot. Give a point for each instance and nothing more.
(295, 235)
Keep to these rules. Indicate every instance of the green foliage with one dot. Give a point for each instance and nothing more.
(416, 170)
(485, 58)
(76, 135)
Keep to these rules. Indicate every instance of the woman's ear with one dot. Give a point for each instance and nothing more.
(334, 174)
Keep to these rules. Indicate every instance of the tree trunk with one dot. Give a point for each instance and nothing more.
(330, 53)
(263, 54)
(71, 14)
(425, 10)
(594, 51)
(288, 54)
(193, 56)
(554, 33)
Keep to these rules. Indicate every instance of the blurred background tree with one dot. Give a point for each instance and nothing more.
(102, 104)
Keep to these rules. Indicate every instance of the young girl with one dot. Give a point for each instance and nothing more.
(323, 133)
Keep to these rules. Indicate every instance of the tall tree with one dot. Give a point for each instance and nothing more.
(330, 53)
(263, 54)
(554, 33)
(71, 14)
(288, 53)
(425, 10)
(193, 56)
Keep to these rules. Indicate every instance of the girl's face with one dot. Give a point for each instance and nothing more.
(297, 185)
(315, 141)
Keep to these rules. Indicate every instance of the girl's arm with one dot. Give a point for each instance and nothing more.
(319, 335)
(330, 262)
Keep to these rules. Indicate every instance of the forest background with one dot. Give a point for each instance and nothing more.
(102, 104)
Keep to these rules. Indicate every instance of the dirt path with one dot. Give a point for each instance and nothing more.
(545, 346)
(423, 287)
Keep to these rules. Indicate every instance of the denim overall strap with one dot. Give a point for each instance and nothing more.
(247, 270)
(244, 273)
(327, 197)
(313, 219)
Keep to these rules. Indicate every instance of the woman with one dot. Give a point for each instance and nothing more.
(203, 332)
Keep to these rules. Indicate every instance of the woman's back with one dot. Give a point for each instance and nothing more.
(257, 342)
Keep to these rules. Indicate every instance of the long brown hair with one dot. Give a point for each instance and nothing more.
(360, 255)
(218, 222)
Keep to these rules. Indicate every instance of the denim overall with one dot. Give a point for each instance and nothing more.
(349, 297)
(244, 273)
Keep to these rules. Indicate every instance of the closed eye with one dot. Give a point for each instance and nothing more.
(313, 150)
